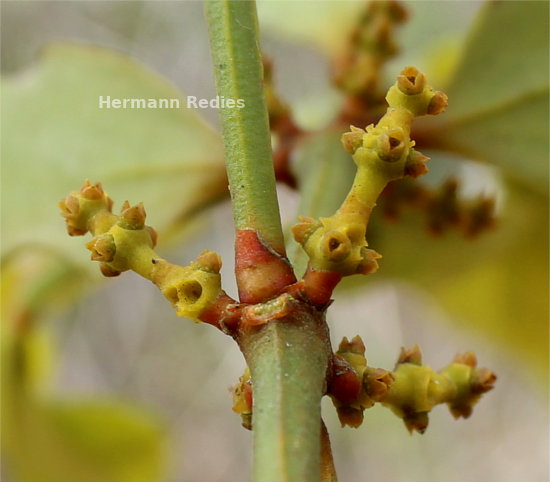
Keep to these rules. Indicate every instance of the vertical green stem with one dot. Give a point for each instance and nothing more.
(288, 362)
(234, 40)
(287, 357)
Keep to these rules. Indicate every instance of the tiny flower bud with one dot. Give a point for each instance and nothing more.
(377, 382)
(91, 191)
(483, 380)
(336, 246)
(416, 421)
(70, 208)
(132, 217)
(368, 262)
(353, 140)
(103, 248)
(416, 164)
(356, 346)
(438, 103)
(467, 358)
(209, 261)
(153, 234)
(410, 81)
(410, 355)
(303, 230)
(350, 416)
(107, 271)
(390, 145)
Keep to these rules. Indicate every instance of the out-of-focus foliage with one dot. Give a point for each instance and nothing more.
(319, 25)
(51, 439)
(498, 285)
(55, 136)
(499, 92)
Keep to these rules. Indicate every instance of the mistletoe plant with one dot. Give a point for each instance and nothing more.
(279, 320)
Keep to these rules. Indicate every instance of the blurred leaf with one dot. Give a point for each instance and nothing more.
(118, 442)
(35, 281)
(324, 25)
(66, 441)
(505, 58)
(86, 441)
(55, 136)
(448, 22)
(498, 98)
(497, 285)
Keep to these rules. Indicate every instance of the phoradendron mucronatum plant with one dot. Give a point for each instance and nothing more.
(279, 319)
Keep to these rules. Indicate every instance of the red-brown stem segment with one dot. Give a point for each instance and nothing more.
(261, 273)
(344, 384)
(317, 286)
(224, 313)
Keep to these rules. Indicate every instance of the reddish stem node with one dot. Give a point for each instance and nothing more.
(261, 273)
(224, 313)
(317, 286)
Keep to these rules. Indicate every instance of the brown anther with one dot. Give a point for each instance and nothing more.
(352, 417)
(103, 248)
(416, 164)
(411, 81)
(483, 381)
(353, 140)
(107, 271)
(410, 355)
(467, 358)
(132, 217)
(336, 246)
(369, 263)
(153, 234)
(93, 192)
(377, 382)
(356, 345)
(72, 231)
(438, 103)
(416, 421)
(70, 207)
(303, 230)
(70, 210)
(391, 145)
(209, 261)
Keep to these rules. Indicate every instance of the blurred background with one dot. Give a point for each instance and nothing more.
(102, 382)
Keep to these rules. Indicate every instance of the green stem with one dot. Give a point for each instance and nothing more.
(288, 362)
(234, 40)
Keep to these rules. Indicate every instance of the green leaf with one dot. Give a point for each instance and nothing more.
(55, 136)
(86, 441)
(61, 440)
(324, 25)
(117, 441)
(495, 286)
(505, 58)
(498, 98)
